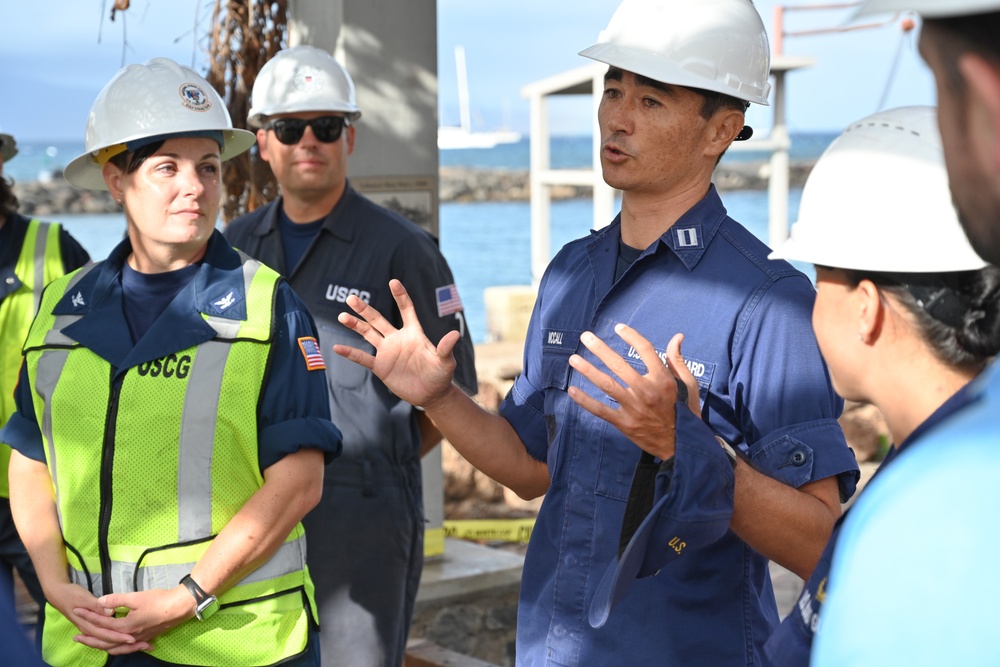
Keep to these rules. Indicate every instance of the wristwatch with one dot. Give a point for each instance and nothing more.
(206, 604)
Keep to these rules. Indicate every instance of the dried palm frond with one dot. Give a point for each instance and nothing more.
(245, 35)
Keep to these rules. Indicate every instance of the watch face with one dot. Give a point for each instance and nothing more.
(207, 607)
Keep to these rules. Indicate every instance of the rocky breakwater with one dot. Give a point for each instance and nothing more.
(461, 184)
(55, 196)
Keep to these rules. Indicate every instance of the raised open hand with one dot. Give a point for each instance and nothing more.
(646, 402)
(407, 362)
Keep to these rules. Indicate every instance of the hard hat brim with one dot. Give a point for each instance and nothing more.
(84, 172)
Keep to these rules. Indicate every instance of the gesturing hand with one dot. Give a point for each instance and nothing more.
(646, 402)
(407, 362)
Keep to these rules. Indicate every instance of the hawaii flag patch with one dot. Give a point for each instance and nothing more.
(448, 301)
(310, 350)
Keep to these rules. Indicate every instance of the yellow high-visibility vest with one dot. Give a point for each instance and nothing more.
(149, 464)
(38, 264)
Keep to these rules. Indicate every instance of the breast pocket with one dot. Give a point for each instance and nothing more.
(343, 373)
(558, 345)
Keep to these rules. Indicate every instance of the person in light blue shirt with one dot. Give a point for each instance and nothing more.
(905, 325)
(673, 260)
(918, 550)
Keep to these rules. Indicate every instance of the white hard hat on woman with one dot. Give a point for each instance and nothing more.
(151, 102)
(878, 200)
(299, 79)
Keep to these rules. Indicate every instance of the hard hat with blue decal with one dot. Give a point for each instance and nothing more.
(156, 100)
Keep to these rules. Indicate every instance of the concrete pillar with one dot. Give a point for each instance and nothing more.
(390, 49)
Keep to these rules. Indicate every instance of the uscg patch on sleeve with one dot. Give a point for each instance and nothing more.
(311, 353)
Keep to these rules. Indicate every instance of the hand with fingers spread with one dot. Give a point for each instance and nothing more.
(646, 402)
(405, 360)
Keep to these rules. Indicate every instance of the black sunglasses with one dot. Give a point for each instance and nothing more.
(327, 129)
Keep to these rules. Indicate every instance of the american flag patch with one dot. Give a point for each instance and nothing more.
(448, 300)
(313, 357)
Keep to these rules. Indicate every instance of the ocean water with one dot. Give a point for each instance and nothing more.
(486, 244)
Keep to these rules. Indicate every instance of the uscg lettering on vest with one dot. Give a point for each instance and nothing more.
(340, 293)
(170, 366)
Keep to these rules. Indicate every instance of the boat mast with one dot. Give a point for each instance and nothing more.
(463, 89)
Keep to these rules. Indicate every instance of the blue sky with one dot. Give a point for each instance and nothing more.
(52, 64)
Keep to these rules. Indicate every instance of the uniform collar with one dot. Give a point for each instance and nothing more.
(217, 289)
(690, 236)
(338, 221)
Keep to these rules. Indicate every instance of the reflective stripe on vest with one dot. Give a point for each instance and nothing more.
(178, 460)
(38, 263)
(126, 576)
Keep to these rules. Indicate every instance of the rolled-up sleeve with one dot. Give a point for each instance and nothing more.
(295, 407)
(782, 392)
(21, 431)
(524, 405)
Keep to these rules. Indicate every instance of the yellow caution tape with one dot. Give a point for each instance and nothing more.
(490, 530)
(433, 542)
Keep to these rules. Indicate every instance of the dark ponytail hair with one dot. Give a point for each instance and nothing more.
(957, 313)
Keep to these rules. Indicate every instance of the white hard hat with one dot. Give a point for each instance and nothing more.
(717, 45)
(302, 78)
(156, 99)
(930, 8)
(878, 200)
(8, 147)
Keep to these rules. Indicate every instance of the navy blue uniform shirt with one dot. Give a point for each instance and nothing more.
(293, 412)
(764, 388)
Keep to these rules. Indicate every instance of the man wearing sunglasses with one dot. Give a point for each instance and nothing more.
(366, 535)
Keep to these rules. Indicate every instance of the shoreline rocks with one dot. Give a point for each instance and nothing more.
(456, 184)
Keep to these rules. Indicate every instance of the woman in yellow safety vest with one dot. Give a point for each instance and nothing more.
(172, 416)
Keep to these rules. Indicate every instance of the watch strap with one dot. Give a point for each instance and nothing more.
(205, 604)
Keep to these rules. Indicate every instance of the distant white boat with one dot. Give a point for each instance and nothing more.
(452, 137)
